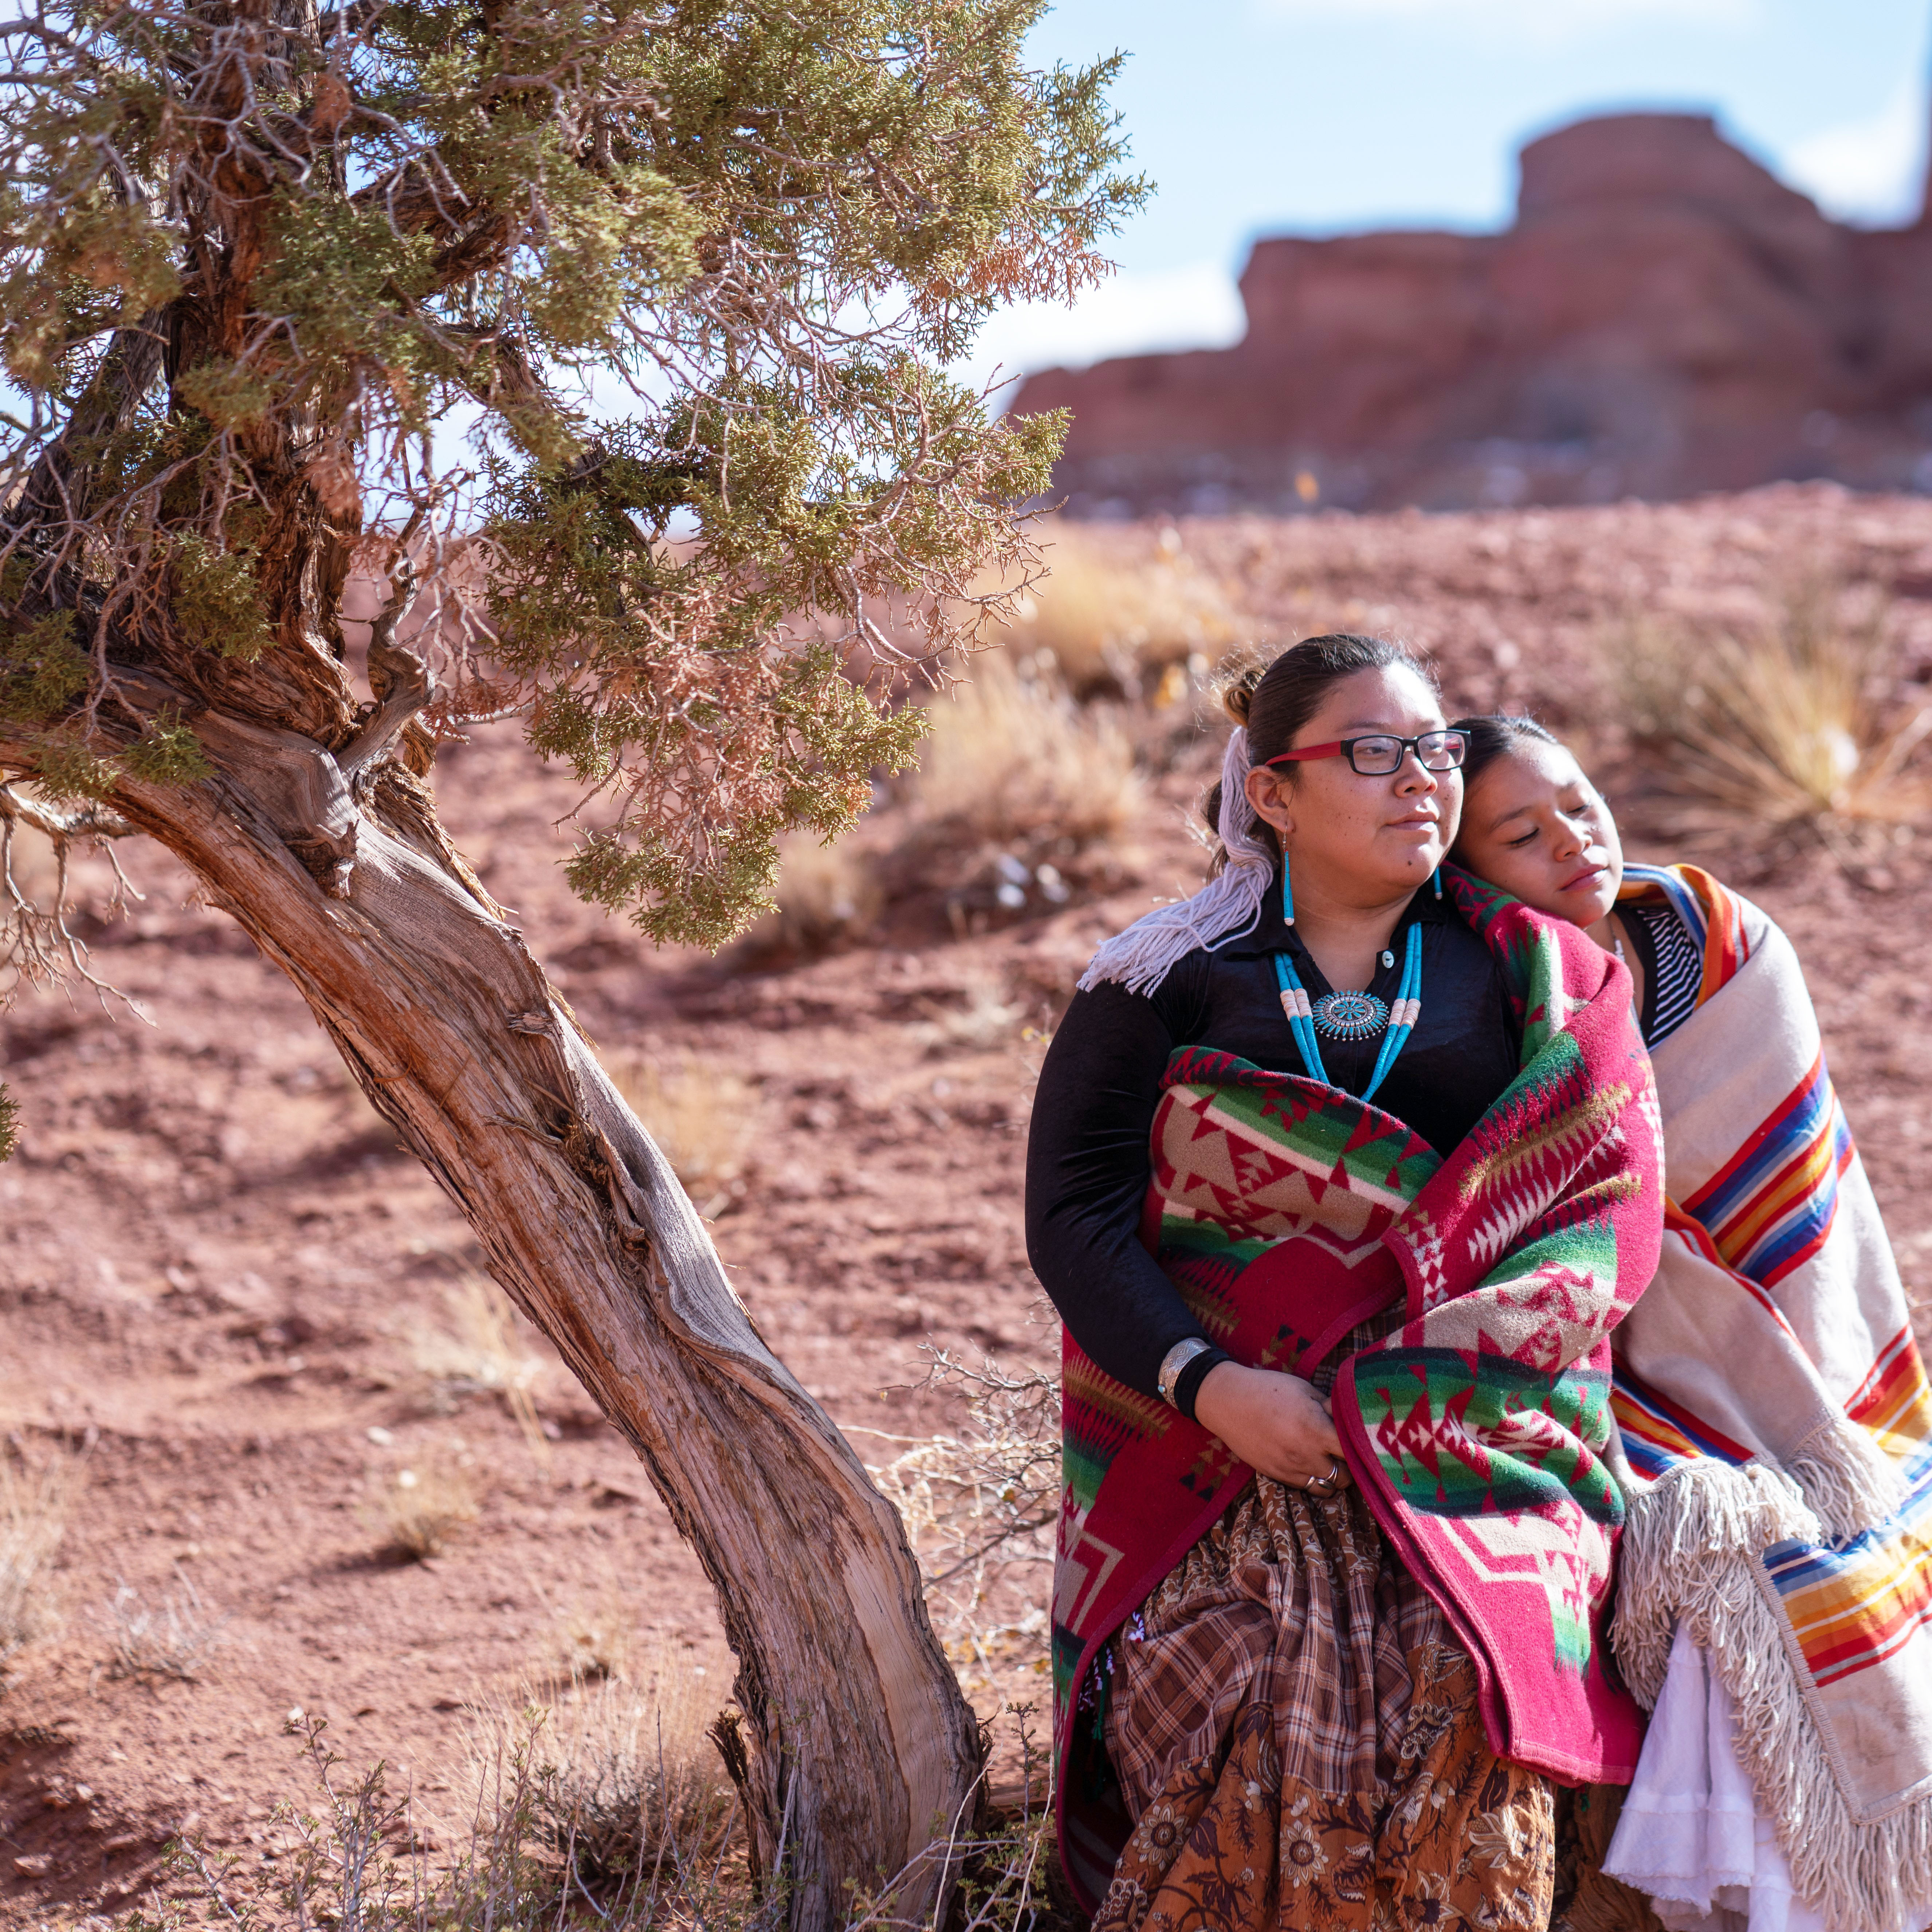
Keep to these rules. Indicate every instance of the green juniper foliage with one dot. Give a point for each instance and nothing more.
(10, 1125)
(628, 318)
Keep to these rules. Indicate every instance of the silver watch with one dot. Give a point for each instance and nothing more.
(1176, 1359)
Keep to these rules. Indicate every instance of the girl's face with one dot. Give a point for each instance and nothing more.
(1354, 839)
(1536, 826)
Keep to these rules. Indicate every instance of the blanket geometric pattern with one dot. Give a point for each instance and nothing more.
(1778, 1431)
(1285, 1211)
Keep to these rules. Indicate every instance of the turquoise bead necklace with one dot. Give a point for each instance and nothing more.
(1351, 1015)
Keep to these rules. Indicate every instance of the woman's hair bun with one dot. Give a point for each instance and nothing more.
(1239, 695)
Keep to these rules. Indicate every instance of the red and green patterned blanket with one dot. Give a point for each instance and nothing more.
(1287, 1211)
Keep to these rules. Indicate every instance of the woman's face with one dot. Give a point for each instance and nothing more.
(1357, 840)
(1535, 826)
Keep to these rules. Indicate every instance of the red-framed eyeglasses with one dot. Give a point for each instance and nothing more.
(1379, 755)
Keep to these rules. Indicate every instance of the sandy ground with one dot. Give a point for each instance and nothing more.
(226, 1293)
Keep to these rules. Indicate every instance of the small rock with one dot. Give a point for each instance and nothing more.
(35, 1866)
(380, 1436)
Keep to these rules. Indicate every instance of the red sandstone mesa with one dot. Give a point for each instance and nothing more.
(1664, 317)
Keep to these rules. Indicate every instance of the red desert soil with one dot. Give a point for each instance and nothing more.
(217, 1271)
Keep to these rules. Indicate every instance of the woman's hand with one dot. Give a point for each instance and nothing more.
(1276, 1424)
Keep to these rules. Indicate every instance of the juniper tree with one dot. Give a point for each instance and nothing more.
(611, 336)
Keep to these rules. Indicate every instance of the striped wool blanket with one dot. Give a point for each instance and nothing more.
(1778, 1431)
(1287, 1212)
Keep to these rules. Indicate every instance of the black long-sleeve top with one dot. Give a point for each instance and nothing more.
(1088, 1162)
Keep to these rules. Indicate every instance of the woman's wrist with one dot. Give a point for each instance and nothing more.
(1187, 1383)
(1222, 1374)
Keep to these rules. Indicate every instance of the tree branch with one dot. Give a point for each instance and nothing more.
(402, 682)
(86, 821)
(54, 491)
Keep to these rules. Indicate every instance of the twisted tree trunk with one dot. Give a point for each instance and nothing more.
(863, 1752)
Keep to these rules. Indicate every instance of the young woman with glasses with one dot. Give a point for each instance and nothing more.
(1279, 1701)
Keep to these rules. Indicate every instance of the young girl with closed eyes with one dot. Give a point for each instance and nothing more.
(1771, 1408)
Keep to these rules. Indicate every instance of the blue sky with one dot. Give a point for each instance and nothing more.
(1258, 117)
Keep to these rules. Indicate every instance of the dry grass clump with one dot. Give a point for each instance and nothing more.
(701, 1116)
(596, 1639)
(1109, 619)
(177, 1638)
(33, 1518)
(419, 1511)
(985, 1017)
(357, 1858)
(480, 1349)
(1011, 758)
(1790, 727)
(827, 896)
(631, 1779)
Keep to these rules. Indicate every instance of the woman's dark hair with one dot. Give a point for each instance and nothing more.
(1275, 700)
(1494, 736)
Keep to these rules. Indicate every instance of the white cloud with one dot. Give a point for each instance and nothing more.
(1871, 170)
(1544, 21)
(1194, 307)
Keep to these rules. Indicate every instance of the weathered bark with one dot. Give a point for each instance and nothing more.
(864, 1751)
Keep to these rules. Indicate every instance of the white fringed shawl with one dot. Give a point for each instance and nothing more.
(1143, 955)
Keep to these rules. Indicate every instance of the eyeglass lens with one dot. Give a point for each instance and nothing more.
(1437, 751)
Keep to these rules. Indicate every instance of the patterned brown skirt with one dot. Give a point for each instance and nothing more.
(1297, 1734)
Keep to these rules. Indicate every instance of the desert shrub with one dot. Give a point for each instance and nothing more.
(33, 1518)
(419, 1511)
(1791, 726)
(1011, 757)
(177, 1638)
(826, 895)
(701, 1115)
(980, 1507)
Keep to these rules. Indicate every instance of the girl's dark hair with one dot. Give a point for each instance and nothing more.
(1274, 701)
(1494, 736)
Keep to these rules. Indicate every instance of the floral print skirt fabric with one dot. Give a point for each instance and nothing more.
(1297, 1734)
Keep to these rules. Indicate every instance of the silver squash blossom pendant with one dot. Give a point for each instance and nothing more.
(1350, 1016)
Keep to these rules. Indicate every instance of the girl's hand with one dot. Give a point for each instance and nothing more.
(1276, 1424)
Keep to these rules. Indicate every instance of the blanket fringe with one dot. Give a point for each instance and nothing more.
(1682, 1540)
(1691, 1553)
(1850, 1483)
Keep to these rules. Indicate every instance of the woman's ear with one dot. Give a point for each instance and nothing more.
(1272, 796)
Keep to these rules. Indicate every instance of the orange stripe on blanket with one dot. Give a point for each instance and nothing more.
(1895, 1401)
(1853, 1606)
